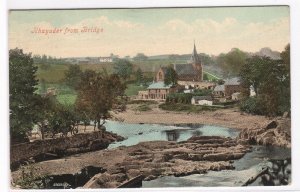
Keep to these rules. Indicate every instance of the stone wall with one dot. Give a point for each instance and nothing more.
(59, 147)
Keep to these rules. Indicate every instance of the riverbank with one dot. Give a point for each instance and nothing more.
(232, 117)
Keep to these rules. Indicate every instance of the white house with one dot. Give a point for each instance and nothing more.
(202, 100)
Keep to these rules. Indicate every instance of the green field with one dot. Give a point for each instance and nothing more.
(133, 89)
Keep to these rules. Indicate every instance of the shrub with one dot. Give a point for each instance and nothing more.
(253, 105)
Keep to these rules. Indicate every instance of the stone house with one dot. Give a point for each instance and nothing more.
(231, 86)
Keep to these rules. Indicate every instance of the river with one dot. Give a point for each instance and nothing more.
(276, 158)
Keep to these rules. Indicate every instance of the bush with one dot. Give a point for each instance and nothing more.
(253, 105)
(143, 107)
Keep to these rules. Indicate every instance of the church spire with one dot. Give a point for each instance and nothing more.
(195, 59)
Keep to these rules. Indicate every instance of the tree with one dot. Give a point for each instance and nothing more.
(73, 76)
(139, 76)
(270, 81)
(22, 87)
(171, 76)
(140, 57)
(123, 68)
(97, 94)
(232, 62)
(205, 77)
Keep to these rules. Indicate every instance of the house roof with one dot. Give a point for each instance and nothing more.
(219, 88)
(197, 98)
(232, 81)
(159, 85)
(184, 69)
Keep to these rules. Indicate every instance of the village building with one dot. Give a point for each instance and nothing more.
(202, 100)
(232, 85)
(231, 89)
(157, 91)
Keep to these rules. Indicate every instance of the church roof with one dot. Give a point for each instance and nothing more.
(185, 69)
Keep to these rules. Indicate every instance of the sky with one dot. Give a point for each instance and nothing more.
(150, 31)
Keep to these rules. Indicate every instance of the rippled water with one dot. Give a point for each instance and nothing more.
(136, 133)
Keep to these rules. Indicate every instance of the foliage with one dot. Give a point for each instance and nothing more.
(143, 107)
(73, 76)
(142, 102)
(22, 86)
(185, 98)
(205, 77)
(232, 62)
(63, 119)
(140, 57)
(29, 177)
(139, 76)
(123, 68)
(97, 94)
(270, 80)
(252, 105)
(171, 76)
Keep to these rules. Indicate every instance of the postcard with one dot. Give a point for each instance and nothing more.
(147, 97)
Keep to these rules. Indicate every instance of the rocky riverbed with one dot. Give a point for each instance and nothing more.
(149, 159)
(276, 133)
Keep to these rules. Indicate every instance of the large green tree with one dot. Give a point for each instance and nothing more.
(270, 81)
(22, 97)
(232, 62)
(171, 76)
(123, 68)
(97, 94)
(73, 76)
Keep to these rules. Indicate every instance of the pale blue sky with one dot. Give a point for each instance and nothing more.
(152, 31)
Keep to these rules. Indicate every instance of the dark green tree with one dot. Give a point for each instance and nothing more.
(139, 76)
(22, 87)
(73, 76)
(123, 68)
(232, 62)
(140, 57)
(97, 94)
(270, 81)
(171, 76)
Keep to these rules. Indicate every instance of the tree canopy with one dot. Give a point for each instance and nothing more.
(97, 94)
(73, 76)
(123, 68)
(22, 87)
(171, 76)
(270, 80)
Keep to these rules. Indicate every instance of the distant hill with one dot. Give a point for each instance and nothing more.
(266, 51)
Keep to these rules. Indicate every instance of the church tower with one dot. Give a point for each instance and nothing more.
(196, 62)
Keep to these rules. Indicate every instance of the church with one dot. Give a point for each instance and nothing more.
(190, 71)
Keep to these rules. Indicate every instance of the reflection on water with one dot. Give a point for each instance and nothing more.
(136, 133)
(172, 135)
